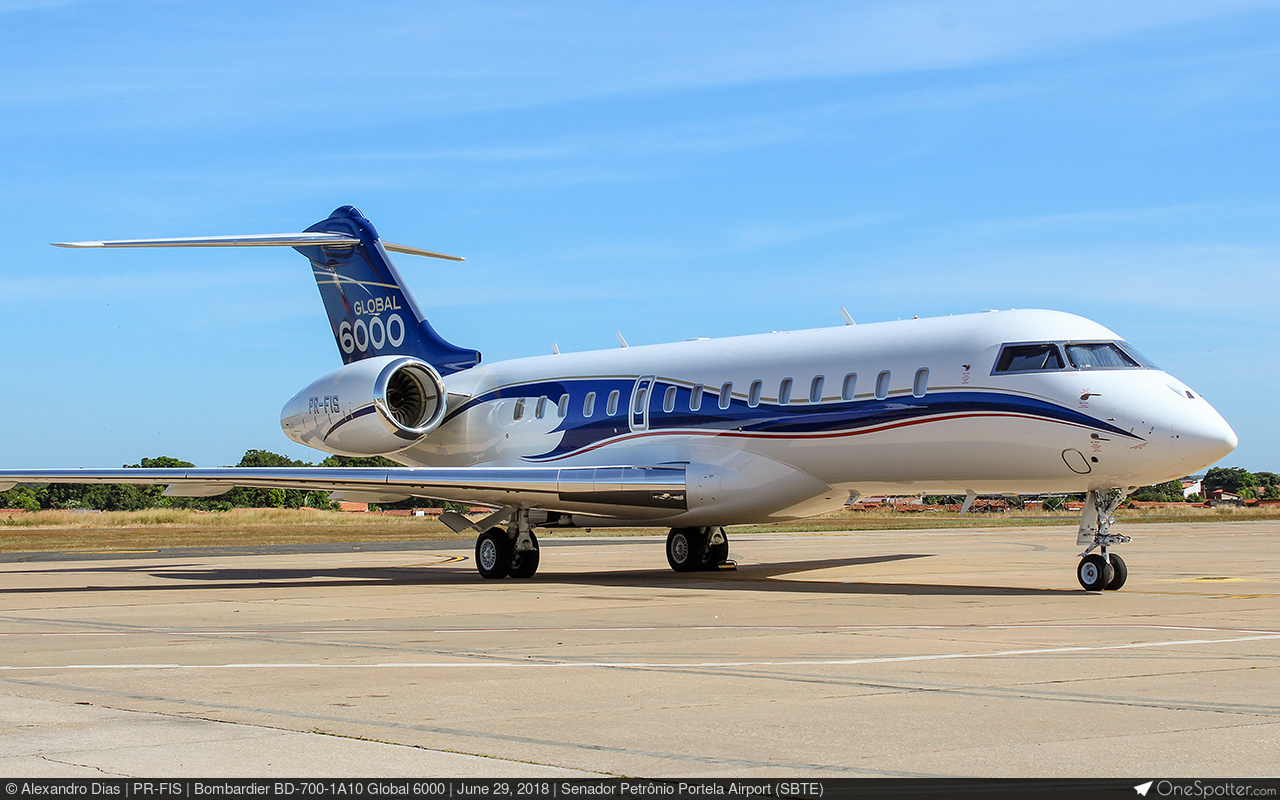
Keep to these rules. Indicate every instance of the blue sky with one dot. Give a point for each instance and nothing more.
(667, 170)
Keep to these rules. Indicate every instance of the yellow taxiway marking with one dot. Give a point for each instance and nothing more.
(443, 560)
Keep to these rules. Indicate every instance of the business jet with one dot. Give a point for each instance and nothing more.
(699, 435)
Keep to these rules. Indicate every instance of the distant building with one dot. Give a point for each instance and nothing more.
(1221, 497)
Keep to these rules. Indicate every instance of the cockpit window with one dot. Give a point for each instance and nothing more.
(1103, 355)
(1029, 358)
(1136, 356)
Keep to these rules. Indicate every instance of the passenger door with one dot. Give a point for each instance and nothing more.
(641, 399)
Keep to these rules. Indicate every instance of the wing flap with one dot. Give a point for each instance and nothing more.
(196, 489)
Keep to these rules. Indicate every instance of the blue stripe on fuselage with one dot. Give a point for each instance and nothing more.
(799, 419)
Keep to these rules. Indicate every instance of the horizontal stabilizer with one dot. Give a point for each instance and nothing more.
(417, 251)
(260, 240)
(371, 312)
(256, 240)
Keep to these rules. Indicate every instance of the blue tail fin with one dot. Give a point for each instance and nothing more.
(371, 311)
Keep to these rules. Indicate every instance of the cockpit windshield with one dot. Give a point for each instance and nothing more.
(1105, 355)
(1058, 356)
(1029, 358)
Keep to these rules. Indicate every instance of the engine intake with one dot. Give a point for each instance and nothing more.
(411, 395)
(375, 406)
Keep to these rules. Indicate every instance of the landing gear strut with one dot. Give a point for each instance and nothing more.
(1101, 570)
(692, 549)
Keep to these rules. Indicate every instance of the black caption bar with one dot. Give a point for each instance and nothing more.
(632, 789)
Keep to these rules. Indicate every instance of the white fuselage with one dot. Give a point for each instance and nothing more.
(788, 447)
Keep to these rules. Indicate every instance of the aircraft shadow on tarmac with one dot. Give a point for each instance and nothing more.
(770, 577)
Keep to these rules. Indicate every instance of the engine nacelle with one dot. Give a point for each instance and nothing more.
(371, 407)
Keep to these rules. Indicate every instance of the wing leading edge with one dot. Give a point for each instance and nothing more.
(610, 491)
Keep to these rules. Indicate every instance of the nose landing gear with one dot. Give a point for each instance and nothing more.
(1102, 570)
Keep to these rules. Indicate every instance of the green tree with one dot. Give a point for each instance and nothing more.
(100, 496)
(1268, 485)
(1231, 479)
(161, 462)
(25, 497)
(358, 461)
(1170, 492)
(243, 497)
(379, 461)
(153, 496)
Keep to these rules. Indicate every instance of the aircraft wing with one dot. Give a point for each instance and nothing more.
(627, 491)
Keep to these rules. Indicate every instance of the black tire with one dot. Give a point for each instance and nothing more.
(493, 554)
(524, 563)
(717, 554)
(686, 549)
(1094, 573)
(1121, 573)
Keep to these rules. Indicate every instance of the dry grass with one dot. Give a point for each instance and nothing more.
(885, 519)
(133, 530)
(114, 530)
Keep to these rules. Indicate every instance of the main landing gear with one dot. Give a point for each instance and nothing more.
(500, 554)
(514, 553)
(1102, 570)
(693, 549)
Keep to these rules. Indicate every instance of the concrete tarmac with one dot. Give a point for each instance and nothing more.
(895, 653)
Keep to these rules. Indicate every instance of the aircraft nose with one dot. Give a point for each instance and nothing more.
(1204, 438)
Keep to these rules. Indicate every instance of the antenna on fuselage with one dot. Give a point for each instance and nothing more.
(848, 320)
(622, 342)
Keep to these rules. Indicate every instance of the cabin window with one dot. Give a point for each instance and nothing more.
(541, 410)
(882, 385)
(611, 407)
(753, 394)
(850, 384)
(518, 414)
(669, 400)
(639, 397)
(563, 408)
(1104, 355)
(815, 389)
(589, 404)
(921, 384)
(726, 394)
(1029, 358)
(695, 398)
(784, 392)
